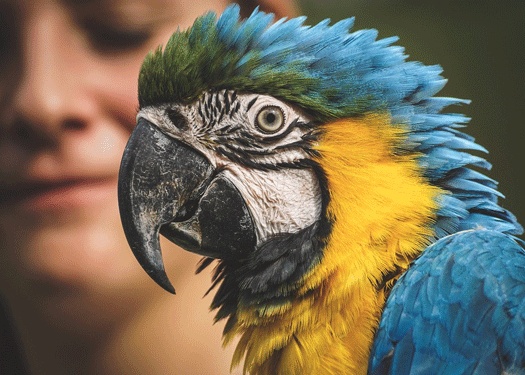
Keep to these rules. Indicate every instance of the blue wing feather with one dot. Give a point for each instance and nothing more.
(460, 309)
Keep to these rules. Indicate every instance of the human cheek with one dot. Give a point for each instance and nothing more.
(117, 89)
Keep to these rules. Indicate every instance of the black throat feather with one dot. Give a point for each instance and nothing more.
(272, 273)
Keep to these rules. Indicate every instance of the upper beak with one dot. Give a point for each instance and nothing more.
(167, 187)
(160, 179)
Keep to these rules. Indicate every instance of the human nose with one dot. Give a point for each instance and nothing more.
(47, 99)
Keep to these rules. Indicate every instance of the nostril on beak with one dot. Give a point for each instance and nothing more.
(177, 119)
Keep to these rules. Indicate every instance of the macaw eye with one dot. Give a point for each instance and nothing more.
(270, 119)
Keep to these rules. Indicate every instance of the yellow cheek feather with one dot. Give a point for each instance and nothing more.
(382, 211)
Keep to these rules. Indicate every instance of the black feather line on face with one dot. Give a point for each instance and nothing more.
(224, 129)
(221, 115)
(207, 112)
(246, 142)
(210, 101)
(272, 274)
(233, 129)
(199, 111)
(242, 158)
(251, 103)
(226, 102)
(210, 124)
(212, 107)
(235, 109)
(247, 149)
(218, 103)
(304, 145)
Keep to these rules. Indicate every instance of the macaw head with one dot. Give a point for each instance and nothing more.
(285, 150)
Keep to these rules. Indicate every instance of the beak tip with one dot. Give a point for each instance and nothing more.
(160, 277)
(169, 288)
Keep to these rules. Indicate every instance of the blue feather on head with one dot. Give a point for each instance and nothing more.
(333, 73)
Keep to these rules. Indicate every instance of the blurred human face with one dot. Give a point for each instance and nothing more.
(68, 100)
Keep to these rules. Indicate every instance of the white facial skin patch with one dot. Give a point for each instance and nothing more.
(283, 201)
(253, 141)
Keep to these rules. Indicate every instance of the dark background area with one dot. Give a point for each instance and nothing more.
(481, 46)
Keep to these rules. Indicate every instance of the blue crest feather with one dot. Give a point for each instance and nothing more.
(333, 73)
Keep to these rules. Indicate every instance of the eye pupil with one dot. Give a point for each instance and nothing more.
(270, 119)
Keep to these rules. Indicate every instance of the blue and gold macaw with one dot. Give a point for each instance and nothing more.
(351, 235)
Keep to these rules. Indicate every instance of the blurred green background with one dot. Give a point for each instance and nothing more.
(481, 47)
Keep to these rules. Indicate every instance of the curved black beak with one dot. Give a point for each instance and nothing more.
(160, 180)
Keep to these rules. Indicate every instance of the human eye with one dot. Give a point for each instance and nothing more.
(114, 39)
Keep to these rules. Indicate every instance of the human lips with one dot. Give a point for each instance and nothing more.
(60, 194)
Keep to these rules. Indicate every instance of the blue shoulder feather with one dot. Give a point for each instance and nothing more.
(460, 309)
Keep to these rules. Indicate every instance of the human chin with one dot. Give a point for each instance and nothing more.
(69, 248)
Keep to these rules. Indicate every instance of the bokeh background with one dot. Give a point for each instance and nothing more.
(481, 46)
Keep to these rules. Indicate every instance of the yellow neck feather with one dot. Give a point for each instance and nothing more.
(382, 210)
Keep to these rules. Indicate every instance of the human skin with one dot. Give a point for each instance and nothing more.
(78, 299)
